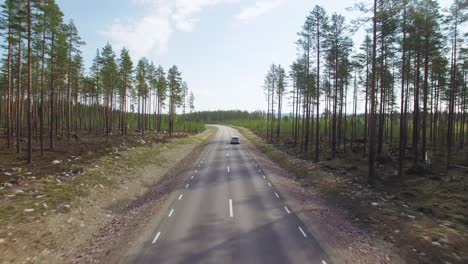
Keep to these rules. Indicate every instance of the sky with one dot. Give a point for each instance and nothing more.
(222, 47)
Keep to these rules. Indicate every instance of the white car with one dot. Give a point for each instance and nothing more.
(235, 140)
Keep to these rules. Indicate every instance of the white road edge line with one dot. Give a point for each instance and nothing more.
(287, 210)
(277, 196)
(269, 184)
(156, 237)
(302, 231)
(170, 213)
(231, 212)
(186, 186)
(180, 197)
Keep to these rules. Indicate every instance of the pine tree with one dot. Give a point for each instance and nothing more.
(280, 90)
(161, 91)
(109, 80)
(74, 43)
(371, 176)
(174, 80)
(142, 90)
(125, 70)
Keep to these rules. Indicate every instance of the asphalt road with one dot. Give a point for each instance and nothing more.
(228, 211)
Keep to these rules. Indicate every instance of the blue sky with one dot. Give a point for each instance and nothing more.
(222, 47)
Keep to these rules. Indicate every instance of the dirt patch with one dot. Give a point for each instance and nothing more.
(69, 157)
(101, 196)
(371, 224)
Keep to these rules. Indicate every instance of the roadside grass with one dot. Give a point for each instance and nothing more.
(296, 166)
(50, 195)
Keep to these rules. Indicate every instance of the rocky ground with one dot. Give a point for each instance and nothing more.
(53, 217)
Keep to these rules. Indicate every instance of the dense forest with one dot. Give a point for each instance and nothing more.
(46, 94)
(399, 95)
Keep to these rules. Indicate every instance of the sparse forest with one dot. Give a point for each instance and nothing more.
(48, 98)
(399, 95)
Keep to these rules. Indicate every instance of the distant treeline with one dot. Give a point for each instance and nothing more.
(221, 116)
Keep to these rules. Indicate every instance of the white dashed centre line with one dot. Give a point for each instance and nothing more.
(228, 169)
(196, 171)
(269, 184)
(186, 186)
(170, 213)
(324, 262)
(231, 211)
(302, 231)
(287, 210)
(277, 196)
(264, 177)
(191, 177)
(156, 237)
(180, 197)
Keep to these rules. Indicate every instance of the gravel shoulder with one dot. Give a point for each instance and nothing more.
(343, 241)
(95, 224)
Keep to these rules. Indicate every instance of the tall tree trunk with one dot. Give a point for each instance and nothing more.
(278, 125)
(382, 97)
(9, 85)
(371, 175)
(453, 88)
(68, 92)
(402, 114)
(268, 114)
(52, 93)
(425, 94)
(416, 110)
(18, 99)
(317, 126)
(366, 108)
(335, 102)
(29, 85)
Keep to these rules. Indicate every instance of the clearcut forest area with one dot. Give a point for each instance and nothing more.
(357, 153)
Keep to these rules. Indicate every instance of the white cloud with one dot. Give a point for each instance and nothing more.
(143, 34)
(259, 8)
(152, 32)
(185, 9)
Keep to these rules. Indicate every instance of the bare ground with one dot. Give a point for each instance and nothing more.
(55, 216)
